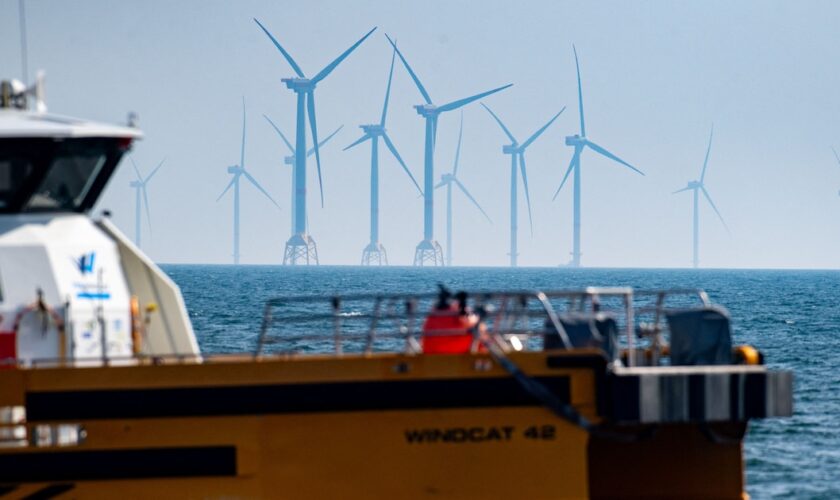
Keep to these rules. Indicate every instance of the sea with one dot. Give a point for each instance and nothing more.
(792, 317)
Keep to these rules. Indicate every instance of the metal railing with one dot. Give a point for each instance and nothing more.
(375, 323)
(393, 322)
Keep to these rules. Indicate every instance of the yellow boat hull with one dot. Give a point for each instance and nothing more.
(377, 426)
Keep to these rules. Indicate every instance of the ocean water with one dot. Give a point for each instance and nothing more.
(793, 317)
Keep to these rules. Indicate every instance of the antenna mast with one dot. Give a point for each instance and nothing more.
(23, 54)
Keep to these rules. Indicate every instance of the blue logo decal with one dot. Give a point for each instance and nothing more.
(85, 263)
(93, 295)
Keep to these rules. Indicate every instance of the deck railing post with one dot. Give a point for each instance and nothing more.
(336, 305)
(374, 321)
(266, 324)
(631, 350)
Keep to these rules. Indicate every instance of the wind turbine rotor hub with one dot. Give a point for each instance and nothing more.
(574, 140)
(373, 129)
(695, 184)
(299, 84)
(510, 149)
(427, 110)
(234, 169)
(135, 184)
(289, 160)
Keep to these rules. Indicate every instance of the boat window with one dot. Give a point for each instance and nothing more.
(14, 171)
(56, 174)
(68, 180)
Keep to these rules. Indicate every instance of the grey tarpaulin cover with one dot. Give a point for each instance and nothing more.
(700, 336)
(584, 330)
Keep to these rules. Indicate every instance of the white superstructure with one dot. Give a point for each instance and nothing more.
(71, 288)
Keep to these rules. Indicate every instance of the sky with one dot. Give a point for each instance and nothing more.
(656, 76)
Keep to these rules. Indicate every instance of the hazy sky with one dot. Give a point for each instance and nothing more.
(656, 75)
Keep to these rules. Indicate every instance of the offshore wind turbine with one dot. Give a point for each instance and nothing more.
(238, 171)
(698, 187)
(428, 250)
(375, 251)
(517, 155)
(580, 142)
(139, 186)
(448, 180)
(290, 160)
(301, 245)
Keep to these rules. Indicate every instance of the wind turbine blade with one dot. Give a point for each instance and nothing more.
(420, 86)
(467, 193)
(575, 158)
(709, 199)
(689, 188)
(154, 172)
(527, 193)
(598, 149)
(277, 129)
(136, 170)
(441, 184)
(399, 159)
(835, 155)
(148, 212)
(232, 182)
(321, 144)
(242, 152)
(257, 185)
(580, 94)
(540, 131)
(708, 150)
(331, 66)
(458, 149)
(288, 56)
(310, 104)
(463, 102)
(499, 121)
(359, 141)
(388, 88)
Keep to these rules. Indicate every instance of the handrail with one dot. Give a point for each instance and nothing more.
(555, 321)
(369, 323)
(394, 316)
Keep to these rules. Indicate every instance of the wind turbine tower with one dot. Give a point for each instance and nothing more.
(301, 246)
(290, 160)
(448, 180)
(139, 186)
(517, 158)
(428, 250)
(238, 171)
(374, 252)
(698, 187)
(581, 142)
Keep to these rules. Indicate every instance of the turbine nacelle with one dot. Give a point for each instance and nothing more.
(234, 169)
(510, 149)
(135, 184)
(694, 185)
(446, 178)
(289, 160)
(575, 140)
(427, 110)
(299, 84)
(373, 130)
